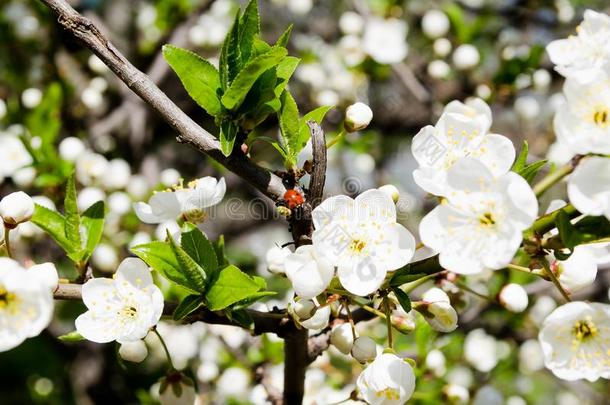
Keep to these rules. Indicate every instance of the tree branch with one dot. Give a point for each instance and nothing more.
(189, 131)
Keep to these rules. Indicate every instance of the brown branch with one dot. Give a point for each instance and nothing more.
(188, 130)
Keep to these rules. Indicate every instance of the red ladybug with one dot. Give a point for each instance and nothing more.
(293, 198)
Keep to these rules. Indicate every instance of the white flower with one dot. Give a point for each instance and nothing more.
(117, 174)
(578, 55)
(438, 69)
(31, 97)
(342, 337)
(90, 167)
(435, 23)
(488, 395)
(481, 350)
(461, 131)
(16, 208)
(309, 272)
(190, 202)
(364, 349)
(123, 308)
(302, 310)
(3, 108)
(89, 196)
(574, 339)
(589, 186)
(357, 116)
(466, 56)
(13, 155)
(513, 297)
(389, 380)
(442, 47)
(275, 258)
(391, 191)
(384, 40)
(319, 320)
(351, 23)
(456, 394)
(436, 361)
(26, 301)
(177, 389)
(437, 310)
(577, 271)
(480, 225)
(531, 358)
(362, 239)
(135, 351)
(583, 122)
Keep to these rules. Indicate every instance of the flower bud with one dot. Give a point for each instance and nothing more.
(391, 191)
(319, 320)
(16, 208)
(46, 274)
(357, 116)
(303, 309)
(70, 148)
(513, 297)
(456, 394)
(177, 389)
(435, 23)
(466, 57)
(365, 349)
(135, 352)
(275, 259)
(437, 310)
(342, 338)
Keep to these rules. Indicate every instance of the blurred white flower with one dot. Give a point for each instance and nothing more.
(559, 153)
(30, 98)
(275, 259)
(481, 350)
(579, 55)
(483, 91)
(513, 297)
(105, 258)
(190, 202)
(574, 338)
(531, 358)
(13, 155)
(308, 271)
(488, 395)
(26, 301)
(436, 362)
(177, 389)
(589, 186)
(16, 208)
(135, 351)
(233, 383)
(442, 47)
(117, 174)
(527, 108)
(438, 69)
(364, 349)
(3, 108)
(481, 224)
(123, 308)
(92, 98)
(466, 56)
(456, 394)
(385, 40)
(435, 23)
(170, 177)
(351, 23)
(89, 196)
(138, 186)
(90, 167)
(119, 203)
(542, 79)
(388, 380)
(96, 65)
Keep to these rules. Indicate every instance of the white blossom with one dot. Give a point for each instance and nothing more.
(574, 339)
(135, 351)
(589, 186)
(385, 40)
(275, 258)
(16, 208)
(342, 337)
(357, 117)
(90, 167)
(466, 56)
(123, 308)
(577, 271)
(13, 155)
(391, 191)
(480, 225)
(177, 389)
(362, 239)
(461, 131)
(364, 349)
(31, 97)
(308, 271)
(26, 301)
(435, 23)
(578, 55)
(513, 297)
(190, 202)
(389, 380)
(437, 310)
(481, 350)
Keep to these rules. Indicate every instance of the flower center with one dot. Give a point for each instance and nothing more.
(487, 219)
(584, 330)
(389, 393)
(357, 245)
(601, 117)
(195, 215)
(7, 299)
(128, 312)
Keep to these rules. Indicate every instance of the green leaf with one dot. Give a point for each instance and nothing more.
(289, 125)
(530, 171)
(73, 336)
(45, 120)
(199, 248)
(242, 317)
(221, 255)
(54, 224)
(247, 76)
(249, 28)
(284, 72)
(231, 286)
(93, 224)
(230, 56)
(521, 160)
(399, 278)
(403, 299)
(194, 274)
(567, 232)
(284, 38)
(189, 304)
(228, 134)
(274, 142)
(316, 115)
(198, 76)
(71, 213)
(160, 256)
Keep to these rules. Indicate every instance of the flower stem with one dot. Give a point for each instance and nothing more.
(350, 318)
(473, 292)
(336, 139)
(552, 178)
(7, 242)
(408, 287)
(555, 281)
(169, 358)
(388, 321)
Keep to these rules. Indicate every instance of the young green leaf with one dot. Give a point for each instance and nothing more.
(316, 115)
(530, 171)
(221, 255)
(230, 56)
(228, 134)
(73, 336)
(284, 72)
(231, 286)
(93, 224)
(284, 38)
(189, 304)
(197, 245)
(521, 160)
(399, 278)
(194, 274)
(71, 213)
(247, 76)
(45, 120)
(568, 233)
(54, 224)
(249, 28)
(198, 76)
(289, 125)
(160, 256)
(403, 299)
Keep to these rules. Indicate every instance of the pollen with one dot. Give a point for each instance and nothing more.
(7, 299)
(357, 245)
(584, 329)
(601, 117)
(487, 219)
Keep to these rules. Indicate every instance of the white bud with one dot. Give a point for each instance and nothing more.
(319, 320)
(89, 196)
(24, 177)
(456, 394)
(438, 69)
(527, 108)
(542, 79)
(357, 116)
(275, 259)
(365, 349)
(342, 338)
(71, 148)
(351, 23)
(46, 274)
(391, 191)
(117, 174)
(466, 57)
(96, 64)
(513, 297)
(483, 91)
(16, 208)
(119, 202)
(2, 108)
(105, 258)
(435, 361)
(31, 97)
(435, 23)
(135, 351)
(170, 177)
(437, 310)
(303, 309)
(92, 98)
(99, 83)
(442, 47)
(177, 390)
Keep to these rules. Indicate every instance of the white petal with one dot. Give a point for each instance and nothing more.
(309, 277)
(46, 273)
(374, 205)
(589, 186)
(135, 272)
(397, 248)
(333, 208)
(497, 152)
(96, 329)
(361, 277)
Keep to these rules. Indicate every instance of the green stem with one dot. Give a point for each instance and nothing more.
(7, 241)
(552, 178)
(547, 222)
(408, 287)
(519, 268)
(336, 139)
(473, 292)
(555, 281)
(350, 319)
(388, 321)
(169, 358)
